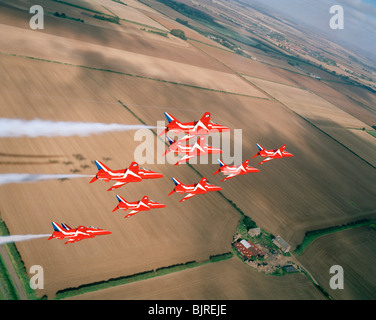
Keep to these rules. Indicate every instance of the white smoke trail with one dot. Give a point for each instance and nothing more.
(36, 128)
(6, 178)
(17, 238)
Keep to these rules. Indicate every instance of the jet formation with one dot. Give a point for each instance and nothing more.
(135, 173)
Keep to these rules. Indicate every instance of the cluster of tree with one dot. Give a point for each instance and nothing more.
(63, 15)
(277, 36)
(248, 222)
(178, 33)
(183, 22)
(121, 2)
(160, 33)
(189, 11)
(113, 19)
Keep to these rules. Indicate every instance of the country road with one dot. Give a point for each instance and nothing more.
(16, 281)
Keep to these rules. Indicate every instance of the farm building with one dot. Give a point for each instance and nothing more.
(290, 268)
(254, 232)
(282, 244)
(248, 249)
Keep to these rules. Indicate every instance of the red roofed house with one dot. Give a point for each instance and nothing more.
(248, 249)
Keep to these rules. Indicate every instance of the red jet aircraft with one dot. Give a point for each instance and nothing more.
(272, 154)
(132, 174)
(203, 126)
(143, 205)
(74, 235)
(233, 171)
(191, 151)
(193, 189)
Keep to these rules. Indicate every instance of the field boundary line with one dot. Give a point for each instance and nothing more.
(318, 128)
(311, 236)
(131, 75)
(232, 70)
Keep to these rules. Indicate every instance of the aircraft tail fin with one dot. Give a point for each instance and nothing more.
(101, 166)
(171, 120)
(169, 117)
(65, 226)
(221, 165)
(121, 200)
(177, 183)
(56, 227)
(170, 140)
(260, 149)
(171, 146)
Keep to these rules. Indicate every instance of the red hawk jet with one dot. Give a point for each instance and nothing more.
(272, 154)
(143, 205)
(191, 151)
(233, 171)
(74, 235)
(131, 174)
(203, 126)
(198, 188)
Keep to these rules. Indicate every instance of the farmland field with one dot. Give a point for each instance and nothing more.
(214, 282)
(134, 237)
(331, 119)
(354, 252)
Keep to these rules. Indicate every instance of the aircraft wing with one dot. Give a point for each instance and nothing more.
(230, 176)
(186, 137)
(188, 196)
(132, 213)
(117, 185)
(71, 240)
(185, 159)
(266, 160)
